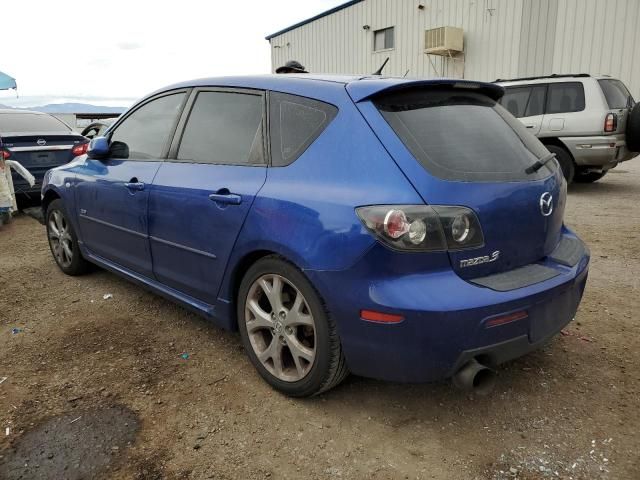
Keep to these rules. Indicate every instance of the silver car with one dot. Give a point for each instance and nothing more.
(591, 123)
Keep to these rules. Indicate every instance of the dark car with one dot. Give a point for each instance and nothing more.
(38, 141)
(407, 230)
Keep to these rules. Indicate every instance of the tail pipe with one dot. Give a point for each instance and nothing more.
(475, 377)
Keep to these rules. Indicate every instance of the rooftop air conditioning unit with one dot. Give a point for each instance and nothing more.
(443, 41)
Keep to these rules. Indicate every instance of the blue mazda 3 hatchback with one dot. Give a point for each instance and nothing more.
(406, 230)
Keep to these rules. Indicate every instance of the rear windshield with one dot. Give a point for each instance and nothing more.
(30, 122)
(463, 135)
(616, 94)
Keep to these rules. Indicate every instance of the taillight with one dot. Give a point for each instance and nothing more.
(423, 227)
(610, 123)
(5, 154)
(80, 149)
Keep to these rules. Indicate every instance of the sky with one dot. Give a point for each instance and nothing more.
(62, 51)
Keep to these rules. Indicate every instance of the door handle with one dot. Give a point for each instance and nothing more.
(530, 126)
(225, 196)
(134, 184)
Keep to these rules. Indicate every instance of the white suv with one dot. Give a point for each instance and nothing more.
(589, 122)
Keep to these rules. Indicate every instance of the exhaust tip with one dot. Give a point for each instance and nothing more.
(475, 377)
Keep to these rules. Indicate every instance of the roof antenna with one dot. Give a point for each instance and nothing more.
(407, 72)
(379, 71)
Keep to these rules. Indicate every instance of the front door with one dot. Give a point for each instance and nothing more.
(203, 192)
(112, 194)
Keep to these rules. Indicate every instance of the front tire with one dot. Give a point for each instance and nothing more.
(565, 160)
(286, 331)
(63, 240)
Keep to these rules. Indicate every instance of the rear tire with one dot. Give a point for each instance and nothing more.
(286, 330)
(565, 160)
(633, 129)
(63, 240)
(588, 177)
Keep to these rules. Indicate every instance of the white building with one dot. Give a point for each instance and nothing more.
(502, 39)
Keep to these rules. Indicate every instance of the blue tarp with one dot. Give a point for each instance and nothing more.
(7, 82)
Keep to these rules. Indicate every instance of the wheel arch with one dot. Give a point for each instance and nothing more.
(558, 143)
(49, 196)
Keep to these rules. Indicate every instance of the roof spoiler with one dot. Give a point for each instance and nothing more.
(366, 88)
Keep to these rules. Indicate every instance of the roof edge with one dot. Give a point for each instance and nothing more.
(312, 19)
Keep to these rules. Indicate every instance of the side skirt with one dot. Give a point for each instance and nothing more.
(193, 304)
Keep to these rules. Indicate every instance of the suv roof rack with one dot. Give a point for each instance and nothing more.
(553, 75)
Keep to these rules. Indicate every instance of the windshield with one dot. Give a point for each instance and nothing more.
(463, 135)
(30, 122)
(616, 94)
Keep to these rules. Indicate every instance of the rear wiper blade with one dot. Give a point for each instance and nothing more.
(540, 163)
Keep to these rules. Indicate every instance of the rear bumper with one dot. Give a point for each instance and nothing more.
(445, 319)
(604, 151)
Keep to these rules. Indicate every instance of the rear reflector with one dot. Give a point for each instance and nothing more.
(511, 317)
(379, 317)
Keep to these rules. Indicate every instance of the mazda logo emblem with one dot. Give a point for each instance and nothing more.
(41, 142)
(546, 204)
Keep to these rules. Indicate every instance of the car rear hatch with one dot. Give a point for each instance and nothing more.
(457, 146)
(619, 101)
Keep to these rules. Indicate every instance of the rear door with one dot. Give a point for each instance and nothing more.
(459, 147)
(203, 192)
(565, 111)
(112, 194)
(527, 104)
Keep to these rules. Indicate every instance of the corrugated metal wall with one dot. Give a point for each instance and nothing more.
(598, 36)
(338, 43)
(503, 38)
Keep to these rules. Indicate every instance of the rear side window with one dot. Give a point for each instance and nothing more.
(145, 133)
(224, 128)
(565, 97)
(616, 94)
(462, 135)
(30, 122)
(295, 123)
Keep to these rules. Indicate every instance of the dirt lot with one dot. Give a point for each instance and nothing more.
(99, 388)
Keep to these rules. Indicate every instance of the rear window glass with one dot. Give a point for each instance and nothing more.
(463, 135)
(565, 97)
(616, 93)
(295, 123)
(30, 122)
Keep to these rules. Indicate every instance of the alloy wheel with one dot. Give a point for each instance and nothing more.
(60, 238)
(280, 327)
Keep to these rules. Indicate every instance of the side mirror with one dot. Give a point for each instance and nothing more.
(98, 147)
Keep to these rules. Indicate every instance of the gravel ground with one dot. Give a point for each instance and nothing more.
(134, 387)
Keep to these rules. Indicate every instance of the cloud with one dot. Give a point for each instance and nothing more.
(129, 45)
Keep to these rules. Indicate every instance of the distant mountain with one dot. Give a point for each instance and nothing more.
(72, 108)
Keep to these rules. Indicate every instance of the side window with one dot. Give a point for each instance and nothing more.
(515, 100)
(295, 123)
(148, 130)
(224, 128)
(383, 39)
(536, 101)
(565, 97)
